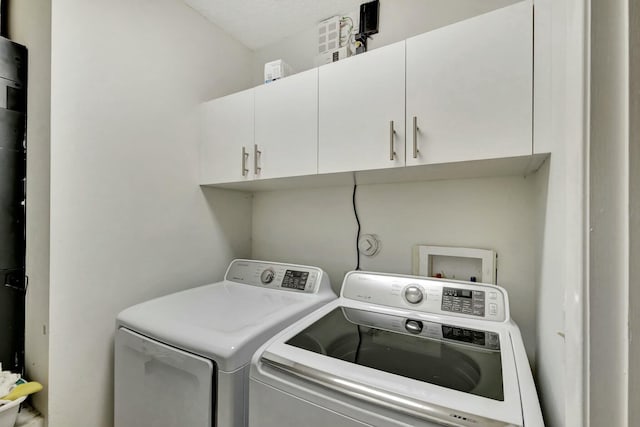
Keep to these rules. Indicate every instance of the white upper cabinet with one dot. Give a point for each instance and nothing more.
(226, 150)
(361, 112)
(469, 88)
(286, 127)
(459, 93)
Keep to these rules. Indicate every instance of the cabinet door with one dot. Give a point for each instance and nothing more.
(226, 149)
(469, 87)
(286, 127)
(359, 99)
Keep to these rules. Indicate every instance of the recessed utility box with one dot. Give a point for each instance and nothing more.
(470, 264)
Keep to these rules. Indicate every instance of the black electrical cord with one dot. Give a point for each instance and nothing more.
(355, 212)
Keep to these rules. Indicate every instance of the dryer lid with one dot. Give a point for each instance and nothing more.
(225, 322)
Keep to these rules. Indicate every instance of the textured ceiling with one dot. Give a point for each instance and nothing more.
(258, 23)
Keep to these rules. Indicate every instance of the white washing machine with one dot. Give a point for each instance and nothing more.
(183, 360)
(398, 351)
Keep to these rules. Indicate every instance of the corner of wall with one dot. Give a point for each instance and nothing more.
(30, 24)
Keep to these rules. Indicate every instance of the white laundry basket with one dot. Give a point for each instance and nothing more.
(9, 412)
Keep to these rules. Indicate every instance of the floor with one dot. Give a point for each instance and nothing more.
(29, 417)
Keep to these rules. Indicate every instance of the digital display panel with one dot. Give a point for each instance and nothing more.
(464, 301)
(294, 279)
(460, 293)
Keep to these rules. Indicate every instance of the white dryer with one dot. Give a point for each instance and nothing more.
(398, 351)
(182, 360)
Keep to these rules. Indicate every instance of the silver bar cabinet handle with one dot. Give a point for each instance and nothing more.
(244, 161)
(392, 153)
(256, 153)
(415, 137)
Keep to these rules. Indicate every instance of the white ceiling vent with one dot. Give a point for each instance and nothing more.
(329, 34)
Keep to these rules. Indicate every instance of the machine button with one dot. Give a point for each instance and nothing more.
(413, 294)
(493, 309)
(413, 326)
(267, 276)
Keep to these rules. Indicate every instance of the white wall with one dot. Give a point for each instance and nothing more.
(634, 209)
(318, 228)
(399, 19)
(559, 127)
(128, 220)
(30, 25)
(609, 214)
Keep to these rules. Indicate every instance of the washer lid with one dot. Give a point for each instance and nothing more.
(461, 374)
(225, 322)
(450, 356)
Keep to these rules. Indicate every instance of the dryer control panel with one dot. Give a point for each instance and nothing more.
(287, 277)
(428, 295)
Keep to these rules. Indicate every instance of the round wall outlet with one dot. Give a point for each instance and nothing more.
(368, 244)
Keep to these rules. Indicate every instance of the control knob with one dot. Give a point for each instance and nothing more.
(413, 294)
(267, 276)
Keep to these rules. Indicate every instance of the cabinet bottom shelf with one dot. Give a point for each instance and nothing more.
(510, 166)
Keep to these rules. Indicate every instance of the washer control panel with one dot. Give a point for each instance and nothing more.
(465, 301)
(287, 277)
(428, 295)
